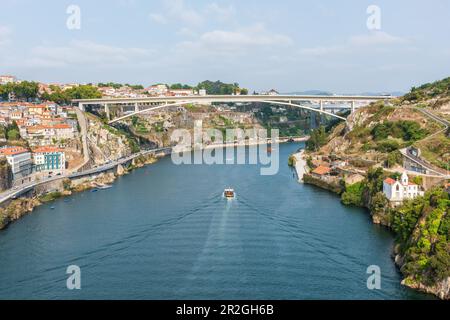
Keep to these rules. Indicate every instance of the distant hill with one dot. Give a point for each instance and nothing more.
(328, 93)
(392, 93)
(311, 92)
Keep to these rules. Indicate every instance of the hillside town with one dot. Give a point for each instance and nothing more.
(40, 132)
(35, 137)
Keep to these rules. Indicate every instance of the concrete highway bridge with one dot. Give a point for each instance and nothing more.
(327, 105)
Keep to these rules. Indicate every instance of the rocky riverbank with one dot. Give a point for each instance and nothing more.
(407, 254)
(18, 208)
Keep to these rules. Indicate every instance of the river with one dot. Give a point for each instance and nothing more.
(165, 232)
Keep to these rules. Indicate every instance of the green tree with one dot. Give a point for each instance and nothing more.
(13, 134)
(318, 138)
(353, 195)
(244, 91)
(394, 158)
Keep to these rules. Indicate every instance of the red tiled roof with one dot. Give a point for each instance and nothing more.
(55, 126)
(47, 149)
(321, 170)
(10, 151)
(389, 181)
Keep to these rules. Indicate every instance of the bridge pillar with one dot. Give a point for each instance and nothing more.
(321, 105)
(108, 115)
(353, 106)
(136, 107)
(81, 106)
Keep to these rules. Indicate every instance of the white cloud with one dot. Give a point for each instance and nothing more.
(223, 13)
(158, 18)
(85, 53)
(376, 38)
(238, 41)
(178, 10)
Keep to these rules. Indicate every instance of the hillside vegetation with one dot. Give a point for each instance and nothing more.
(377, 132)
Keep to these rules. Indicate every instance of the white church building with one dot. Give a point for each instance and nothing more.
(397, 191)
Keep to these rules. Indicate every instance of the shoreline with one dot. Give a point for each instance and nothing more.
(237, 144)
(300, 165)
(420, 287)
(17, 208)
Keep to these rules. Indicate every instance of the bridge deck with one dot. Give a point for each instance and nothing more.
(231, 98)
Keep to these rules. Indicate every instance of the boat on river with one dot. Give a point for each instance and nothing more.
(104, 187)
(229, 193)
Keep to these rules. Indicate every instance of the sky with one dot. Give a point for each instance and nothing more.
(288, 45)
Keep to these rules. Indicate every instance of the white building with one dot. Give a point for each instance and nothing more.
(397, 191)
(20, 161)
(7, 79)
(157, 90)
(182, 92)
(49, 158)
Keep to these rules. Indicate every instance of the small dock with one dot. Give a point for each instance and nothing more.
(300, 165)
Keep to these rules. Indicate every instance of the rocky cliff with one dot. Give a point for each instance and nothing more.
(422, 225)
(107, 143)
(5, 175)
(16, 209)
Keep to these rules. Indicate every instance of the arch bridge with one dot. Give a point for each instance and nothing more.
(327, 105)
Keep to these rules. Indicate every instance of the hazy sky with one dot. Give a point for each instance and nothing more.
(289, 45)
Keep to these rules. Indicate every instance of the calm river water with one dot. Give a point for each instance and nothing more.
(165, 232)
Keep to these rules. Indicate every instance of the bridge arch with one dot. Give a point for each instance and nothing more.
(186, 102)
(305, 107)
(149, 109)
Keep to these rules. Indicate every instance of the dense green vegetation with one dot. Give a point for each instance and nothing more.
(318, 138)
(406, 130)
(139, 125)
(119, 85)
(218, 87)
(394, 158)
(353, 195)
(50, 196)
(65, 96)
(10, 132)
(428, 91)
(422, 226)
(177, 86)
(24, 90)
(388, 136)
